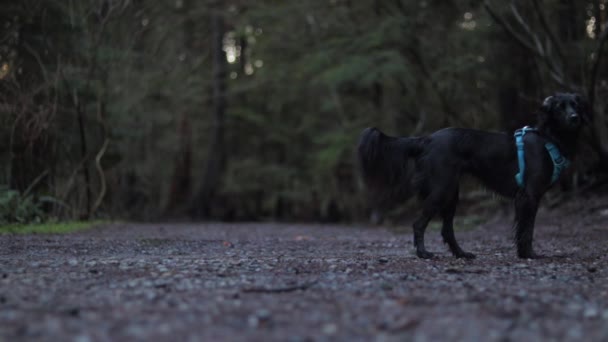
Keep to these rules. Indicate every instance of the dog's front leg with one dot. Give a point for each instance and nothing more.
(526, 207)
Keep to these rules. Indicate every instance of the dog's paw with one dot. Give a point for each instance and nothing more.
(465, 255)
(530, 255)
(424, 254)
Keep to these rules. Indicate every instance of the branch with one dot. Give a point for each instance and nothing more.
(538, 51)
(545, 25)
(508, 28)
(539, 46)
(102, 178)
(36, 56)
(71, 181)
(596, 65)
(541, 51)
(35, 182)
(443, 101)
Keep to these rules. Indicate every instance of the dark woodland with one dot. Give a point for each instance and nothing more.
(251, 110)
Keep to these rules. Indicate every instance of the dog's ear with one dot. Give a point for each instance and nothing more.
(547, 104)
(584, 108)
(545, 111)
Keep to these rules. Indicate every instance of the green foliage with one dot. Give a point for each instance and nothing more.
(48, 227)
(25, 207)
(16, 207)
(364, 70)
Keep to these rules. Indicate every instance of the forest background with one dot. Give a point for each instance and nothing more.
(251, 110)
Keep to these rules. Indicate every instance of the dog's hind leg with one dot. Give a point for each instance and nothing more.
(434, 199)
(432, 205)
(447, 230)
(419, 229)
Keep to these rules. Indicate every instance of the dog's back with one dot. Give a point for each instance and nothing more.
(488, 156)
(402, 166)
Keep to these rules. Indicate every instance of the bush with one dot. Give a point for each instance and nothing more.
(16, 207)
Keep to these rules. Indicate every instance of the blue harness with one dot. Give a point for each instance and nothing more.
(559, 162)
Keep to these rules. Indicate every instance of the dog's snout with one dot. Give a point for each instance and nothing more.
(574, 119)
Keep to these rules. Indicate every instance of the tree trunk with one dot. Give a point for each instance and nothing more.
(179, 191)
(599, 128)
(216, 156)
(83, 154)
(569, 28)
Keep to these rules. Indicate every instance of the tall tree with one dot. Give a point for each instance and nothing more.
(216, 155)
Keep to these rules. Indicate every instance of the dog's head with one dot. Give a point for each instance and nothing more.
(564, 111)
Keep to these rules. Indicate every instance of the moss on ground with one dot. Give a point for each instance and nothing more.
(48, 227)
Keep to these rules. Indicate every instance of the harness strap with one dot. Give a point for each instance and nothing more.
(560, 162)
(519, 142)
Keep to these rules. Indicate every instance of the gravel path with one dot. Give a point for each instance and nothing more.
(292, 282)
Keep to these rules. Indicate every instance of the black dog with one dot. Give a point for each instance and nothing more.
(441, 158)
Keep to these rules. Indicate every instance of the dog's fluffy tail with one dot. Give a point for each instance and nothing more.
(385, 164)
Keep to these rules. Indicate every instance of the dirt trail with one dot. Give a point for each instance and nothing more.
(222, 282)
